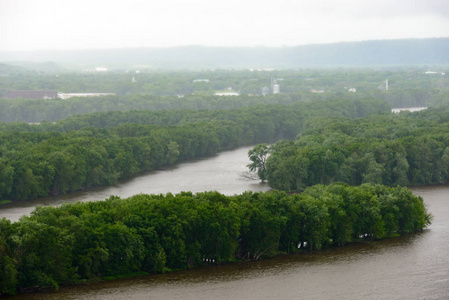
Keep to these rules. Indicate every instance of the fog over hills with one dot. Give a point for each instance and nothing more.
(404, 52)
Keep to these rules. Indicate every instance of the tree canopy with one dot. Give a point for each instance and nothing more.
(169, 90)
(390, 149)
(258, 155)
(157, 233)
(105, 147)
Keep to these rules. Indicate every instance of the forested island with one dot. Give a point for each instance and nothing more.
(156, 233)
(320, 134)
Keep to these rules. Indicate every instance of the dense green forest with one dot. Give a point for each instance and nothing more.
(102, 148)
(391, 149)
(247, 82)
(84, 142)
(408, 87)
(36, 111)
(156, 233)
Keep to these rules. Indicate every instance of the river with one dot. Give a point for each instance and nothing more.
(410, 267)
(225, 172)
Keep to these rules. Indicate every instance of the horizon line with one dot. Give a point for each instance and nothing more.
(224, 47)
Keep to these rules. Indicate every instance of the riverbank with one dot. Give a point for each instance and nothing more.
(225, 172)
(226, 272)
(156, 233)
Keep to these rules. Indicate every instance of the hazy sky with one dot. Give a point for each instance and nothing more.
(88, 24)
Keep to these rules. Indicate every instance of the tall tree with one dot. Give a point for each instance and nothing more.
(258, 155)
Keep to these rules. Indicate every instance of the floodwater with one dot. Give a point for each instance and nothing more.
(411, 267)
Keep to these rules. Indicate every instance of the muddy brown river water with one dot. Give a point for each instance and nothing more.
(410, 267)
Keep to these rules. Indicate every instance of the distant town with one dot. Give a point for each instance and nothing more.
(49, 94)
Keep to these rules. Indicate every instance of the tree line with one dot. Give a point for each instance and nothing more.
(161, 90)
(102, 148)
(157, 233)
(405, 149)
(172, 83)
(53, 110)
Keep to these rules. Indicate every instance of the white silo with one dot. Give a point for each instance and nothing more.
(276, 88)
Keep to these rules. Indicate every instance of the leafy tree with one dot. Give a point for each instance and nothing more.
(391, 149)
(258, 155)
(157, 233)
(172, 152)
(43, 254)
(8, 265)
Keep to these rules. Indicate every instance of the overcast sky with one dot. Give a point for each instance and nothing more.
(93, 24)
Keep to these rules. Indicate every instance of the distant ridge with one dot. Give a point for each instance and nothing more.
(430, 51)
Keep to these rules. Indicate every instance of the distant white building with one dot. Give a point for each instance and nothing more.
(410, 109)
(228, 92)
(86, 95)
(101, 69)
(225, 93)
(275, 88)
(433, 72)
(352, 90)
(201, 80)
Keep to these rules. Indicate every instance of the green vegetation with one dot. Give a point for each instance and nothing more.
(102, 148)
(159, 90)
(258, 155)
(403, 149)
(351, 138)
(156, 233)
